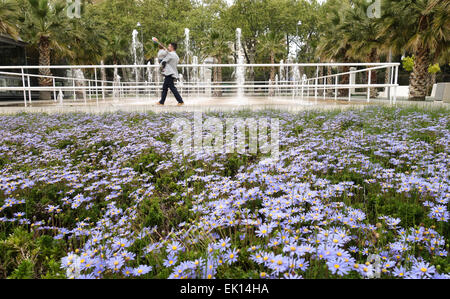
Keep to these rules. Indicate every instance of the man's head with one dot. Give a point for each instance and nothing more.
(172, 47)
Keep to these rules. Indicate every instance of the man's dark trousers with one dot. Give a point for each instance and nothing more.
(169, 84)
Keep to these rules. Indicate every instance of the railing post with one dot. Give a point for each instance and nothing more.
(103, 91)
(89, 89)
(368, 87)
(336, 89)
(73, 85)
(29, 88)
(392, 82)
(324, 86)
(24, 92)
(303, 88)
(388, 89)
(61, 98)
(96, 85)
(54, 90)
(307, 93)
(395, 88)
(86, 91)
(316, 82)
(349, 86)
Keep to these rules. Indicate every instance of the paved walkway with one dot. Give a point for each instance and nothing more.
(200, 104)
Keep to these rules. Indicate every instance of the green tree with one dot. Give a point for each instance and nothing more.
(115, 49)
(87, 40)
(311, 14)
(8, 18)
(363, 35)
(45, 26)
(218, 47)
(334, 42)
(424, 28)
(271, 44)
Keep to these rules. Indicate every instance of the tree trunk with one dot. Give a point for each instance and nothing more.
(431, 82)
(320, 80)
(329, 81)
(272, 74)
(250, 54)
(344, 79)
(419, 77)
(215, 71)
(373, 74)
(272, 68)
(44, 60)
(218, 77)
(387, 70)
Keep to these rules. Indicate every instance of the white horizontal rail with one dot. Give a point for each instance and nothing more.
(349, 72)
(25, 67)
(52, 77)
(70, 88)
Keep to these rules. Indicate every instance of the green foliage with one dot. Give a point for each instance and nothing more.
(152, 213)
(434, 68)
(3, 161)
(62, 144)
(23, 271)
(8, 18)
(25, 256)
(408, 63)
(232, 165)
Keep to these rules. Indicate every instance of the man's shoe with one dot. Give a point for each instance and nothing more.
(159, 104)
(180, 104)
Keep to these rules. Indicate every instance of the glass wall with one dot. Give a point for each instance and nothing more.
(11, 53)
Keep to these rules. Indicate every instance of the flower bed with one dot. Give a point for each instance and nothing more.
(356, 194)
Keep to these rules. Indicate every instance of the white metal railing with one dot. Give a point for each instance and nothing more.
(144, 81)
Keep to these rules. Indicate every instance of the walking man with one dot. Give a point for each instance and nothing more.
(170, 72)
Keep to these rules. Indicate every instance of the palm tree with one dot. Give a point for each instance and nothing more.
(217, 46)
(45, 26)
(8, 14)
(334, 43)
(362, 34)
(88, 39)
(116, 48)
(271, 44)
(424, 26)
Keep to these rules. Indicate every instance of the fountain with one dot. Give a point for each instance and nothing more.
(207, 75)
(304, 82)
(187, 53)
(116, 85)
(195, 74)
(149, 76)
(60, 96)
(157, 75)
(181, 83)
(137, 51)
(103, 75)
(79, 81)
(277, 88)
(297, 78)
(187, 45)
(240, 70)
(282, 73)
